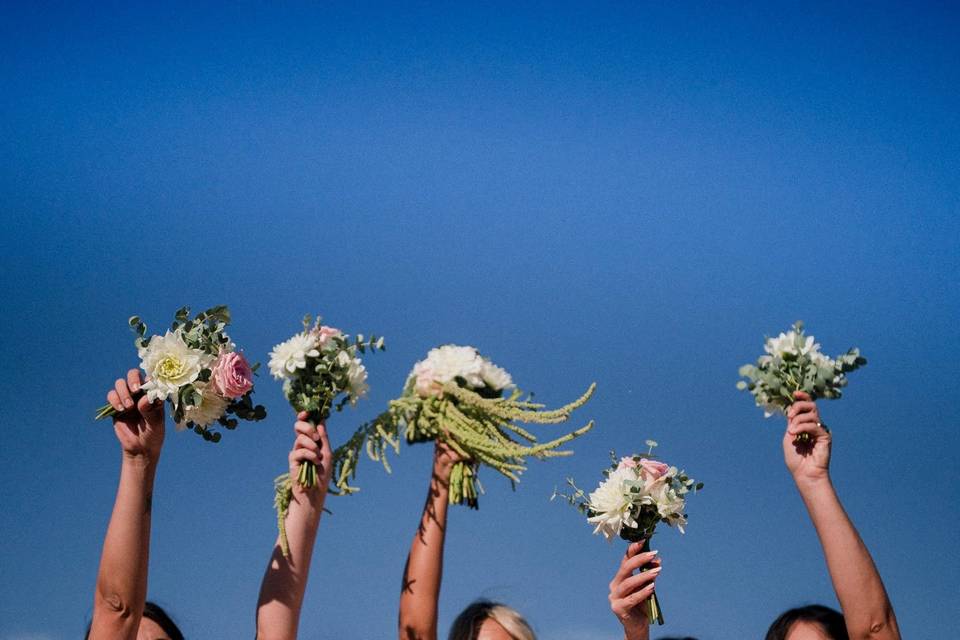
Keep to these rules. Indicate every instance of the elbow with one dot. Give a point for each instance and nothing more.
(879, 628)
(110, 602)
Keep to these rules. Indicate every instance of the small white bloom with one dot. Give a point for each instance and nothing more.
(212, 405)
(786, 345)
(170, 364)
(495, 377)
(291, 355)
(357, 377)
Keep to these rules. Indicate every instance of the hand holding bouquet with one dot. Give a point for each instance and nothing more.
(793, 362)
(638, 493)
(196, 367)
(317, 365)
(455, 396)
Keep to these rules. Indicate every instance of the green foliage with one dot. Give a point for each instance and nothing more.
(483, 430)
(205, 332)
(794, 363)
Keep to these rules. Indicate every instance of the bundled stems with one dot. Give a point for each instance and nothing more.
(654, 613)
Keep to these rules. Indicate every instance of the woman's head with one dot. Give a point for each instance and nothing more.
(155, 624)
(813, 622)
(485, 620)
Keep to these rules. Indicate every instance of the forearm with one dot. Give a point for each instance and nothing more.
(636, 631)
(857, 582)
(122, 578)
(420, 591)
(285, 581)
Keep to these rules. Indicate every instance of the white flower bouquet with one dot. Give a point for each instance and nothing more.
(637, 494)
(793, 362)
(197, 368)
(317, 365)
(456, 396)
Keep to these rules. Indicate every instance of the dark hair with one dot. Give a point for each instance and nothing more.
(830, 620)
(155, 612)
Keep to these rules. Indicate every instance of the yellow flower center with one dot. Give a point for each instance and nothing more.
(170, 368)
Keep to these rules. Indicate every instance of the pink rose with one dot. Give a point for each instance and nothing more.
(232, 375)
(627, 463)
(324, 334)
(654, 468)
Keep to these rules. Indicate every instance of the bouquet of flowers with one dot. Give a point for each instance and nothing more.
(638, 493)
(317, 365)
(196, 367)
(793, 362)
(456, 396)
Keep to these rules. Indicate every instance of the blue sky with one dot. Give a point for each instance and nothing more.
(632, 194)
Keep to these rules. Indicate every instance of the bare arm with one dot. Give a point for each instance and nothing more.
(122, 578)
(285, 581)
(421, 576)
(866, 607)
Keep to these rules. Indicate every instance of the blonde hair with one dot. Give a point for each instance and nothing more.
(468, 623)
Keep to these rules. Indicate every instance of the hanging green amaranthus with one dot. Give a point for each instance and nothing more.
(455, 396)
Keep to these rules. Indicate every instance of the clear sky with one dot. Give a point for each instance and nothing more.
(632, 194)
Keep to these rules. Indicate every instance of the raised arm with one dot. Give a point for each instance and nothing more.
(420, 590)
(285, 581)
(122, 579)
(629, 591)
(863, 599)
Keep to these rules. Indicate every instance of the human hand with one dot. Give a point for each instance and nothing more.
(808, 461)
(629, 591)
(311, 445)
(138, 423)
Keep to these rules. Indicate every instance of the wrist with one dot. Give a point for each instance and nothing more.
(813, 484)
(141, 461)
(636, 629)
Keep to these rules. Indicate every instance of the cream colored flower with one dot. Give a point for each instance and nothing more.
(170, 364)
(212, 405)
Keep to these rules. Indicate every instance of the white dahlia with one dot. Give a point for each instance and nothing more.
(212, 405)
(611, 504)
(291, 355)
(170, 364)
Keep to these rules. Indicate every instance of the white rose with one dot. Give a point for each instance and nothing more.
(170, 364)
(291, 355)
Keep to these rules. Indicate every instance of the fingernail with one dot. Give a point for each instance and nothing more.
(654, 552)
(128, 403)
(656, 570)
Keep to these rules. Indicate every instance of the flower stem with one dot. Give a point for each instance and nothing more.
(654, 613)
